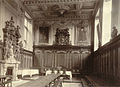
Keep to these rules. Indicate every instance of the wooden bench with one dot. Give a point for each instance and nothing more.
(5, 81)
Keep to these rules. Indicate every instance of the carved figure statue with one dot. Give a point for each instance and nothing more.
(11, 52)
(114, 32)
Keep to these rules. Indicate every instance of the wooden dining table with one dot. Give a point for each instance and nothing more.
(41, 82)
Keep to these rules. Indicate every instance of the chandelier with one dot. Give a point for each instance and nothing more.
(62, 9)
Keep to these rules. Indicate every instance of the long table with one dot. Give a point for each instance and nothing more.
(41, 82)
(48, 72)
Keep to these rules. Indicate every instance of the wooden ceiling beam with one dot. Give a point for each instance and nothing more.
(38, 2)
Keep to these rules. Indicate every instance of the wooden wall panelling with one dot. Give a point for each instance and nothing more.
(67, 57)
(106, 60)
(108, 56)
(1, 50)
(35, 62)
(45, 58)
(70, 60)
(118, 62)
(25, 58)
(53, 61)
(80, 60)
(111, 63)
(114, 62)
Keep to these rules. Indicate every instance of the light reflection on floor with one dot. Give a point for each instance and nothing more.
(71, 85)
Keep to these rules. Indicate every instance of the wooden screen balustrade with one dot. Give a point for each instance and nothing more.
(72, 58)
(106, 60)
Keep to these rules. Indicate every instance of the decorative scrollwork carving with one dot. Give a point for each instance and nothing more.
(11, 40)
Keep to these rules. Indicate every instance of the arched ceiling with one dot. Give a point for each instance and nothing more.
(51, 9)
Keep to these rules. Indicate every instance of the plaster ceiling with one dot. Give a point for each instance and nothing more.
(47, 9)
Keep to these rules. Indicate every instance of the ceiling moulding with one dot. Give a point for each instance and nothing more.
(39, 11)
(13, 3)
(63, 23)
(31, 2)
(64, 18)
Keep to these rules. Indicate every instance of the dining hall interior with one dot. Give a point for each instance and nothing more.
(59, 43)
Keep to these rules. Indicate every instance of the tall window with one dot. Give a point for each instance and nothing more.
(27, 32)
(97, 32)
(96, 35)
(106, 28)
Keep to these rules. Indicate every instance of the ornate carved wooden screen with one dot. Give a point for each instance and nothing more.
(62, 37)
(11, 39)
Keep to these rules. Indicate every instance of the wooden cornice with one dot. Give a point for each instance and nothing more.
(38, 2)
(61, 47)
(73, 17)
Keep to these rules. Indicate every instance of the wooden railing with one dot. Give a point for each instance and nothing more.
(106, 60)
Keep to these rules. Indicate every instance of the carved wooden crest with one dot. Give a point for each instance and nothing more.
(62, 37)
